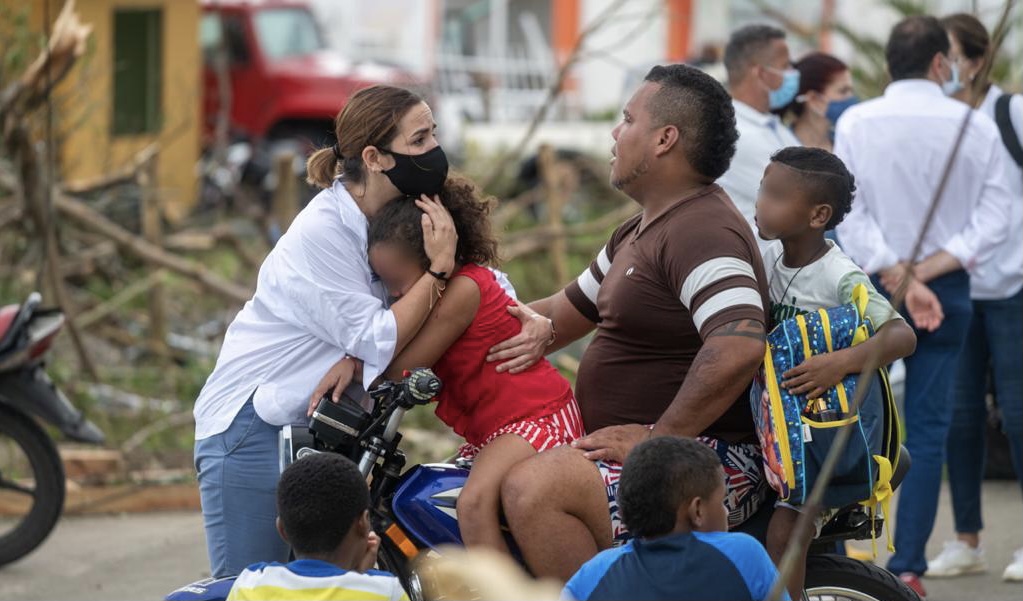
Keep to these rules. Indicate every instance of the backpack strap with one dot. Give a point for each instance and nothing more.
(1004, 122)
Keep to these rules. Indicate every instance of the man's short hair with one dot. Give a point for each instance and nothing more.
(912, 45)
(319, 498)
(659, 476)
(746, 46)
(700, 108)
(824, 178)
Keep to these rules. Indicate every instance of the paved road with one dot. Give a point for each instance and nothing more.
(109, 558)
(144, 556)
(1003, 508)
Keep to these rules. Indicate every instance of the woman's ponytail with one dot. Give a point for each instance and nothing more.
(322, 168)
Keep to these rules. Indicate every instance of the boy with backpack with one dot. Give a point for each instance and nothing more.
(322, 505)
(671, 495)
(804, 193)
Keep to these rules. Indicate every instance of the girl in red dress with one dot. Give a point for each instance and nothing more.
(504, 418)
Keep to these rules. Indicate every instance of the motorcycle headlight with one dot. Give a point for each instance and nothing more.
(338, 425)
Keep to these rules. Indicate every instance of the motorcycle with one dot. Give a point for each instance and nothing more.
(31, 472)
(415, 511)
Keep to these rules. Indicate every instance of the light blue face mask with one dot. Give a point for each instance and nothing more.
(954, 85)
(786, 92)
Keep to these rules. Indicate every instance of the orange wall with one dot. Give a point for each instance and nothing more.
(83, 103)
(680, 24)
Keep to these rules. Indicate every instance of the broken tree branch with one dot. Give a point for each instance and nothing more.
(66, 45)
(101, 311)
(503, 160)
(126, 174)
(148, 252)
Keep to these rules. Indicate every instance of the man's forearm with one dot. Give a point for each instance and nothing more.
(723, 368)
(936, 265)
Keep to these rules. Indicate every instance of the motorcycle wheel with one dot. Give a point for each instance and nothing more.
(839, 578)
(31, 485)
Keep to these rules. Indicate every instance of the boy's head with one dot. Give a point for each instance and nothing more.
(671, 484)
(322, 503)
(396, 250)
(803, 189)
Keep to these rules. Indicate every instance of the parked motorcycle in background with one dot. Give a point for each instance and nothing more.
(31, 471)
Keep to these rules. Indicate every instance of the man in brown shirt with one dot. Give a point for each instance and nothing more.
(679, 301)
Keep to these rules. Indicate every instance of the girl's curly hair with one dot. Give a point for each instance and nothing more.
(399, 222)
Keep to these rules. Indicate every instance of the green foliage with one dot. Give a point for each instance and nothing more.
(21, 44)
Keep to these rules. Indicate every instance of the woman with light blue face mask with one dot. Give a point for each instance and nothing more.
(825, 92)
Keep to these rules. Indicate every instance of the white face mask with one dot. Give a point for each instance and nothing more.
(955, 85)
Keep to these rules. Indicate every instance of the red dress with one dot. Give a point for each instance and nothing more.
(480, 403)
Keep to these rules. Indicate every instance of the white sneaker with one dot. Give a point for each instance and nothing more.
(957, 559)
(1014, 571)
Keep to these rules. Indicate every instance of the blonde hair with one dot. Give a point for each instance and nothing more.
(481, 574)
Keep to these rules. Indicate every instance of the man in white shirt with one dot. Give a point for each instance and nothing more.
(760, 79)
(897, 146)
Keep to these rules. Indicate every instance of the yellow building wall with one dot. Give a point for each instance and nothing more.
(84, 101)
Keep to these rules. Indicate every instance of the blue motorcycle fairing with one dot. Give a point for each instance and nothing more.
(207, 589)
(424, 503)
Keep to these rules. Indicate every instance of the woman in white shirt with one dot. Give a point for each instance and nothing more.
(995, 339)
(316, 300)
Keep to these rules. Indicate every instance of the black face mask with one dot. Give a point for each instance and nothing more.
(414, 175)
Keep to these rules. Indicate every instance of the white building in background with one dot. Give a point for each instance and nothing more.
(493, 60)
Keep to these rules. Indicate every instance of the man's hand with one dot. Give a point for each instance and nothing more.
(816, 375)
(338, 377)
(892, 277)
(370, 558)
(612, 443)
(924, 307)
(528, 346)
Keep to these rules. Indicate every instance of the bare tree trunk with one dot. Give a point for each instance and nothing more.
(555, 192)
(152, 231)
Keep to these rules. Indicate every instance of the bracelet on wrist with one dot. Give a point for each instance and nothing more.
(440, 275)
(554, 333)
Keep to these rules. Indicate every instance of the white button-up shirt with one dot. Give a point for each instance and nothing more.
(760, 136)
(1002, 276)
(897, 147)
(316, 300)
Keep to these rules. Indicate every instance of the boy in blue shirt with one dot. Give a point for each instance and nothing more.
(672, 493)
(322, 507)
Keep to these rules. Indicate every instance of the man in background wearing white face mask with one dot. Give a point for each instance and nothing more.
(897, 146)
(760, 79)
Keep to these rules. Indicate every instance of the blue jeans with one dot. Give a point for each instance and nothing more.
(930, 374)
(995, 346)
(238, 472)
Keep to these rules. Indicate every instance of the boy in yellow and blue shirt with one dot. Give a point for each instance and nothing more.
(322, 506)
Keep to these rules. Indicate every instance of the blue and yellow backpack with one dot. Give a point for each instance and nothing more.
(796, 432)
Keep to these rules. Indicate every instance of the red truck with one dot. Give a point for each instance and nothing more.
(284, 80)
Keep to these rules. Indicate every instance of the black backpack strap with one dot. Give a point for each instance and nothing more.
(1004, 122)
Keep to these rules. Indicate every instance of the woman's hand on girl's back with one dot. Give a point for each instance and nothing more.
(439, 235)
(337, 378)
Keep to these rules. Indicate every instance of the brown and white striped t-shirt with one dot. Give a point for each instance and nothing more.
(655, 294)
